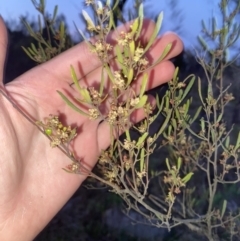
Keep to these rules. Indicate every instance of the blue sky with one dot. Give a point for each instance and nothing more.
(192, 12)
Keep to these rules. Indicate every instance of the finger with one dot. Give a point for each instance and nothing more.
(3, 47)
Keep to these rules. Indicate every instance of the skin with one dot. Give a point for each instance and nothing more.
(33, 186)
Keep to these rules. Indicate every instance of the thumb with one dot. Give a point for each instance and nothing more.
(3, 47)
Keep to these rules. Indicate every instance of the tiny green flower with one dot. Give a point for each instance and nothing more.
(48, 131)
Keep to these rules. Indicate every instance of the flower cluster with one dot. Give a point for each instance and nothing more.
(102, 49)
(57, 132)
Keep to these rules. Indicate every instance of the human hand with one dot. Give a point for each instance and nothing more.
(33, 186)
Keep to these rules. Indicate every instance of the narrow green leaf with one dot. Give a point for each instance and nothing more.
(140, 11)
(115, 5)
(200, 91)
(70, 104)
(62, 30)
(43, 5)
(109, 72)
(75, 79)
(119, 54)
(237, 145)
(220, 117)
(142, 139)
(141, 102)
(144, 84)
(177, 113)
(111, 21)
(175, 75)
(174, 124)
(45, 57)
(167, 163)
(202, 121)
(34, 48)
(194, 134)
(128, 135)
(141, 17)
(31, 51)
(120, 60)
(55, 13)
(196, 114)
(224, 207)
(130, 76)
(28, 54)
(155, 32)
(160, 106)
(126, 52)
(227, 141)
(102, 82)
(187, 177)
(203, 43)
(210, 90)
(142, 159)
(188, 88)
(169, 130)
(167, 102)
(166, 122)
(40, 24)
(132, 47)
(163, 55)
(135, 27)
(52, 29)
(86, 95)
(186, 109)
(179, 163)
(29, 29)
(214, 25)
(180, 93)
(165, 135)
